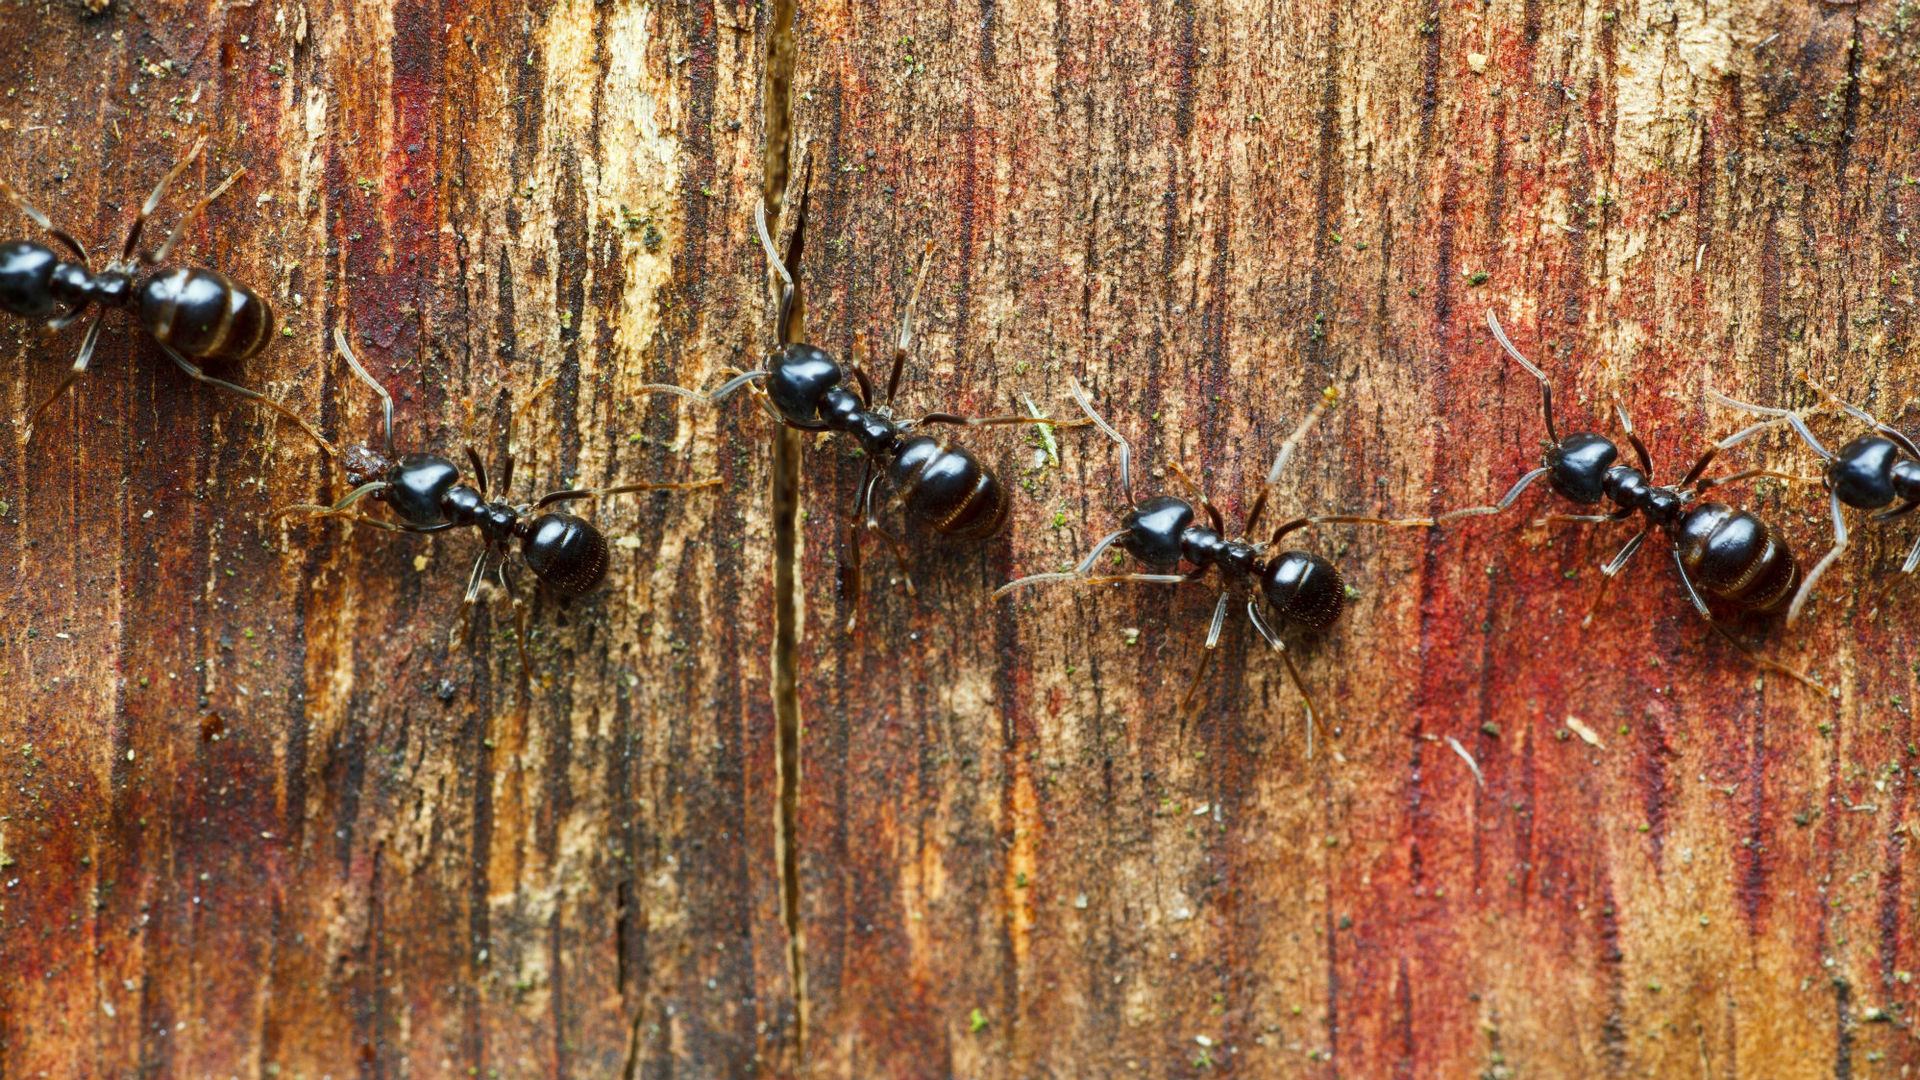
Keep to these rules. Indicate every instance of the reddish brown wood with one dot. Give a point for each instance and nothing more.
(244, 834)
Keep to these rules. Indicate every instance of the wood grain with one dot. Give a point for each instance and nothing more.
(258, 816)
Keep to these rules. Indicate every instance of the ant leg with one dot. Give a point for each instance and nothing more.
(252, 395)
(12, 194)
(154, 258)
(460, 619)
(1806, 584)
(386, 399)
(1126, 449)
(479, 471)
(153, 200)
(1505, 500)
(1396, 523)
(1108, 579)
(871, 524)
(78, 369)
(1639, 448)
(1759, 661)
(1913, 559)
(1546, 386)
(519, 617)
(1607, 573)
(1075, 574)
(989, 421)
(1206, 656)
(1747, 474)
(1621, 514)
(1328, 397)
(1199, 496)
(623, 489)
(1299, 684)
(854, 561)
(905, 340)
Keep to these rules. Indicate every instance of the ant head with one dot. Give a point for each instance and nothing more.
(35, 283)
(565, 552)
(1305, 589)
(1862, 473)
(1577, 467)
(798, 377)
(420, 486)
(1154, 528)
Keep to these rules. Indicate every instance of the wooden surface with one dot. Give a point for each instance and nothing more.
(258, 816)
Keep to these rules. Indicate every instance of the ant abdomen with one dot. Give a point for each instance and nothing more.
(205, 315)
(1304, 588)
(565, 552)
(1736, 556)
(949, 488)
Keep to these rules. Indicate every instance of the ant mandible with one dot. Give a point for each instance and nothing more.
(937, 481)
(566, 553)
(1872, 472)
(1161, 531)
(1729, 554)
(191, 312)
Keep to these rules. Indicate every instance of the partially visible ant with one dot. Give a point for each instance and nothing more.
(1726, 553)
(1161, 531)
(426, 492)
(937, 481)
(190, 312)
(1873, 472)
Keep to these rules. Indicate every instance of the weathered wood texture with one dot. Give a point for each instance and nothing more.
(261, 819)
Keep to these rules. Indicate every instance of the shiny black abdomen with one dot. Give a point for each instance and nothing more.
(1736, 556)
(948, 487)
(204, 315)
(1304, 588)
(565, 552)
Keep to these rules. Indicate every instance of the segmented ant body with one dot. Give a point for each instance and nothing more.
(194, 314)
(1728, 554)
(428, 494)
(1304, 589)
(1879, 472)
(935, 480)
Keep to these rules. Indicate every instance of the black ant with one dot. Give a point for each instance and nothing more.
(1873, 472)
(1161, 530)
(190, 312)
(937, 481)
(1729, 554)
(566, 553)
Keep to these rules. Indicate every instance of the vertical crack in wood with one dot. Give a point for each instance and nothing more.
(776, 154)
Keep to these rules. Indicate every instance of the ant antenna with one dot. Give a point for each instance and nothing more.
(1287, 448)
(1126, 449)
(1546, 387)
(386, 399)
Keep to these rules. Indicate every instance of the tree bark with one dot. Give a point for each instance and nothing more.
(262, 816)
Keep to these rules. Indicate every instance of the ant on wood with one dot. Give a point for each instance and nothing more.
(193, 313)
(1878, 472)
(1728, 554)
(1161, 531)
(426, 492)
(938, 482)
